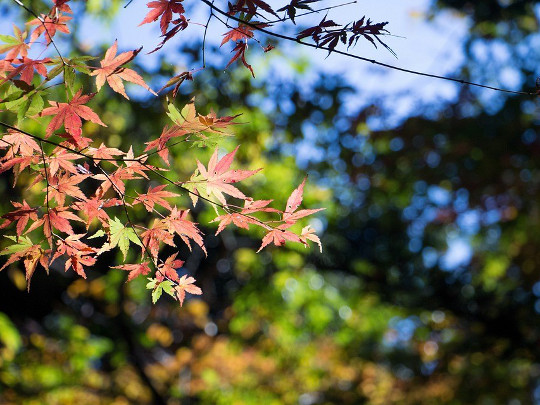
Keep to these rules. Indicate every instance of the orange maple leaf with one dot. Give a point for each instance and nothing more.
(48, 25)
(154, 196)
(112, 71)
(178, 223)
(152, 237)
(135, 270)
(21, 215)
(165, 9)
(70, 114)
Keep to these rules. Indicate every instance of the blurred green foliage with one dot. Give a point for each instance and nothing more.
(387, 314)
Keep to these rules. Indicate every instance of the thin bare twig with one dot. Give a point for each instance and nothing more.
(204, 38)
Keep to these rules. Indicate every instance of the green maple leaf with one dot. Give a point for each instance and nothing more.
(159, 287)
(121, 235)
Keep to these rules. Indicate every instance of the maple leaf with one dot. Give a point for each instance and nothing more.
(290, 216)
(315, 32)
(367, 29)
(250, 7)
(56, 218)
(165, 9)
(120, 235)
(309, 233)
(294, 5)
(178, 223)
(135, 270)
(189, 121)
(27, 68)
(79, 253)
(154, 196)
(62, 159)
(278, 236)
(19, 143)
(114, 180)
(158, 233)
(160, 143)
(242, 33)
(5, 67)
(136, 165)
(21, 216)
(48, 25)
(61, 6)
(168, 269)
(177, 81)
(217, 179)
(94, 208)
(240, 50)
(31, 254)
(180, 24)
(185, 284)
(61, 186)
(19, 164)
(112, 71)
(14, 46)
(70, 114)
(104, 152)
(243, 219)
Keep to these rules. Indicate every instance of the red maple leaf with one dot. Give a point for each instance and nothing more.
(240, 50)
(104, 152)
(62, 159)
(135, 270)
(158, 233)
(112, 71)
(48, 25)
(21, 215)
(19, 164)
(178, 223)
(168, 269)
(250, 7)
(61, 186)
(154, 196)
(70, 114)
(309, 233)
(27, 68)
(55, 218)
(94, 208)
(165, 9)
(242, 33)
(31, 255)
(160, 143)
(79, 254)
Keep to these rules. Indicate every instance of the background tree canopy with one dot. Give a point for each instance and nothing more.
(427, 290)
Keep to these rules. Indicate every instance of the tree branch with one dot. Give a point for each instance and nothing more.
(350, 55)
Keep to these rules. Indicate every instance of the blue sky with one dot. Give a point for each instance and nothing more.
(433, 46)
